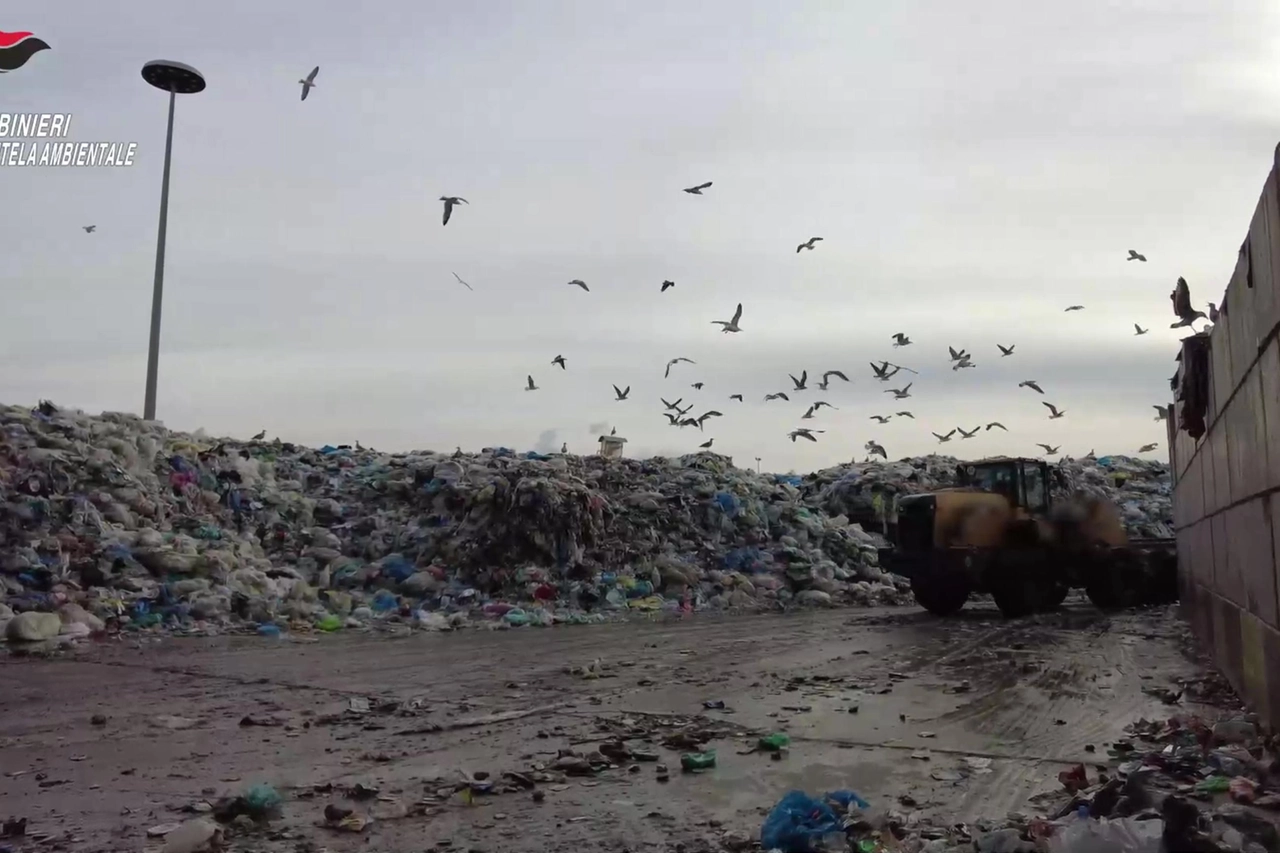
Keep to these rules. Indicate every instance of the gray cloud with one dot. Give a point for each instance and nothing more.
(597, 427)
(548, 441)
(972, 176)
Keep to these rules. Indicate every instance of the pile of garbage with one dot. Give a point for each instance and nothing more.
(113, 521)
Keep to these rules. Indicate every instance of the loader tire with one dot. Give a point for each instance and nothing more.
(1115, 587)
(940, 596)
(1019, 594)
(1055, 596)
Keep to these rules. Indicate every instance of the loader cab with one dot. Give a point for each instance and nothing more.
(1023, 482)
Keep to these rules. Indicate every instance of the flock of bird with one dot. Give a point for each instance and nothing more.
(884, 371)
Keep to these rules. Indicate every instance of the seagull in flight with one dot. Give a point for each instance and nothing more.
(897, 367)
(1181, 297)
(957, 355)
(882, 371)
(1031, 383)
(577, 282)
(737, 397)
(1138, 330)
(1054, 414)
(730, 325)
(964, 435)
(675, 405)
(884, 419)
(89, 229)
(709, 414)
(1136, 256)
(1147, 448)
(802, 432)
(901, 340)
(667, 284)
(1074, 308)
(674, 419)
(449, 202)
(905, 415)
(800, 383)
(622, 395)
(963, 363)
(943, 439)
(779, 396)
(677, 361)
(900, 393)
(559, 360)
(1049, 450)
(876, 450)
(697, 386)
(1006, 350)
(808, 244)
(309, 82)
(531, 386)
(1162, 414)
(463, 283)
(826, 378)
(997, 424)
(706, 444)
(698, 189)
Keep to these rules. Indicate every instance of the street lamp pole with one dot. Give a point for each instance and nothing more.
(174, 78)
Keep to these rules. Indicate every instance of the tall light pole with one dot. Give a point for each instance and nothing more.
(175, 78)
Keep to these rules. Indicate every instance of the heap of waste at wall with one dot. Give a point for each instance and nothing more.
(109, 519)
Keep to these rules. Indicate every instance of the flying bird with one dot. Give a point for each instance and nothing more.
(706, 444)
(905, 415)
(807, 244)
(674, 419)
(577, 282)
(901, 340)
(309, 82)
(802, 432)
(818, 404)
(531, 386)
(1074, 308)
(463, 283)
(697, 386)
(1054, 414)
(964, 435)
(779, 396)
(963, 363)
(800, 383)
(808, 413)
(737, 397)
(826, 378)
(710, 414)
(997, 424)
(1031, 383)
(89, 229)
(1049, 451)
(943, 439)
(957, 355)
(449, 202)
(897, 367)
(675, 405)
(622, 395)
(1162, 414)
(876, 450)
(1181, 298)
(1006, 350)
(667, 284)
(730, 325)
(677, 361)
(1138, 330)
(884, 419)
(698, 189)
(559, 360)
(260, 436)
(900, 393)
(882, 371)
(1147, 448)
(1135, 256)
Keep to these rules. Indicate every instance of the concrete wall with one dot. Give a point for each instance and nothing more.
(1227, 483)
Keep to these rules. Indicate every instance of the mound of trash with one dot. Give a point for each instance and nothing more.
(112, 521)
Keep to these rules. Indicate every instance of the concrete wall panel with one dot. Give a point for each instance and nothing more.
(1225, 583)
(1263, 235)
(1220, 368)
(1269, 393)
(1221, 497)
(1249, 528)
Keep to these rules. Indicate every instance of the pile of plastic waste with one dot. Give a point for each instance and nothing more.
(112, 521)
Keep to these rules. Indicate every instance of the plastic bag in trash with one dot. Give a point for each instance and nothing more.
(797, 822)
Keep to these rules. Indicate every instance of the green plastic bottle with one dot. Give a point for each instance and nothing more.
(694, 761)
(775, 742)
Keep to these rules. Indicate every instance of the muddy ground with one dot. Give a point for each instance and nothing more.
(935, 701)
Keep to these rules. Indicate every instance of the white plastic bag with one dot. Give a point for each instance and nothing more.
(1124, 835)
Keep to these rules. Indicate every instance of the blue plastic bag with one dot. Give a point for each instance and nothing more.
(796, 822)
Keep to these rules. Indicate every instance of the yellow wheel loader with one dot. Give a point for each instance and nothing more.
(999, 531)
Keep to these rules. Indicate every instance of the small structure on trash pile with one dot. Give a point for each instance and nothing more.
(611, 446)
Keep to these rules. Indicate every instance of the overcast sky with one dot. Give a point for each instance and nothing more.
(973, 169)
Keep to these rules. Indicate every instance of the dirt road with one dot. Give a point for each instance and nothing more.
(968, 716)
